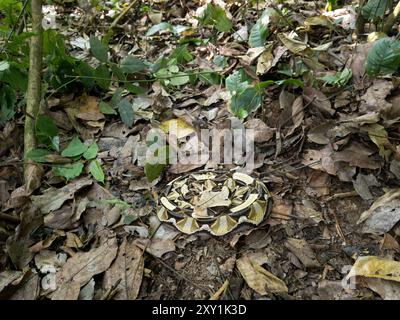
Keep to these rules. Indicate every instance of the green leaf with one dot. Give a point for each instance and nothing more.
(7, 103)
(45, 126)
(384, 57)
(181, 54)
(37, 155)
(116, 98)
(156, 164)
(340, 79)
(178, 79)
(375, 9)
(102, 73)
(291, 81)
(75, 148)
(69, 171)
(126, 112)
(242, 104)
(131, 64)
(96, 170)
(153, 171)
(47, 132)
(259, 32)
(98, 49)
(91, 152)
(215, 16)
(159, 27)
(235, 83)
(4, 65)
(106, 108)
(133, 88)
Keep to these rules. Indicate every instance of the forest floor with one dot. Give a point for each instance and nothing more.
(326, 147)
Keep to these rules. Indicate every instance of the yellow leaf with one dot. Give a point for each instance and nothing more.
(375, 267)
(259, 279)
(177, 127)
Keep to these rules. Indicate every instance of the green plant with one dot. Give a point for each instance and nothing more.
(384, 57)
(215, 16)
(245, 98)
(374, 10)
(259, 32)
(71, 161)
(340, 78)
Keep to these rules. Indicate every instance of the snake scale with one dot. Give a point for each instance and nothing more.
(214, 202)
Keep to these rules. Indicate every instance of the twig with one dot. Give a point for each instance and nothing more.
(10, 218)
(342, 195)
(109, 33)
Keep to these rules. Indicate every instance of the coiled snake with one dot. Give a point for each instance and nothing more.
(215, 202)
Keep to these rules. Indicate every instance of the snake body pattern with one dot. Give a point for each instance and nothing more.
(214, 202)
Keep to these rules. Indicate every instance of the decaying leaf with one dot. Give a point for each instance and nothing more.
(259, 279)
(53, 199)
(18, 245)
(375, 267)
(319, 100)
(262, 133)
(383, 214)
(127, 267)
(80, 268)
(302, 250)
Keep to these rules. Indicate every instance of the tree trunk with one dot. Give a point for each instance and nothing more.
(32, 171)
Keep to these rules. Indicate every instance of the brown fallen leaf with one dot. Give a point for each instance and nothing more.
(302, 250)
(388, 290)
(383, 214)
(262, 133)
(156, 247)
(18, 245)
(127, 267)
(80, 268)
(53, 199)
(33, 174)
(28, 289)
(375, 97)
(259, 279)
(9, 278)
(318, 100)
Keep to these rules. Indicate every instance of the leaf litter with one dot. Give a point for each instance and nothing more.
(325, 139)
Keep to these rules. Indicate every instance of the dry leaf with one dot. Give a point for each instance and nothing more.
(383, 214)
(375, 267)
(259, 279)
(301, 249)
(53, 199)
(127, 267)
(318, 100)
(80, 268)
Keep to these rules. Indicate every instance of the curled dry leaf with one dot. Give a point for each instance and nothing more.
(259, 279)
(9, 278)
